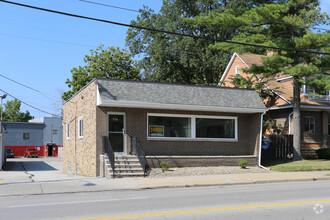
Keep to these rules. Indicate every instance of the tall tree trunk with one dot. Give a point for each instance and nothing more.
(296, 119)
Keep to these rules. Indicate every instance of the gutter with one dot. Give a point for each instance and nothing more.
(260, 142)
(289, 120)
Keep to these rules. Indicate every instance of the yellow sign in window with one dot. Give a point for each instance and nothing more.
(156, 131)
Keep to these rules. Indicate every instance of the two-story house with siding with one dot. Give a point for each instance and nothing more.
(315, 111)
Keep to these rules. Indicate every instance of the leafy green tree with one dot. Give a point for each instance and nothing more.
(288, 24)
(179, 59)
(104, 63)
(12, 112)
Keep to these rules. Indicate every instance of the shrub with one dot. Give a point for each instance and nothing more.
(164, 166)
(243, 163)
(310, 157)
(323, 153)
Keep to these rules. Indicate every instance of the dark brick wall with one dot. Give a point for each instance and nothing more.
(154, 161)
(281, 118)
(317, 137)
(136, 125)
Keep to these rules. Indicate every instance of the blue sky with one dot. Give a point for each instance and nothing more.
(39, 49)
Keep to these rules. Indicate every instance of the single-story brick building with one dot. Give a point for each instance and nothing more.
(185, 125)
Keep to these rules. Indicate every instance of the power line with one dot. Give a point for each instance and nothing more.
(160, 31)
(42, 93)
(52, 41)
(28, 104)
(277, 22)
(111, 6)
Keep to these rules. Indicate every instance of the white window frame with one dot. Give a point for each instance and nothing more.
(308, 118)
(81, 132)
(193, 127)
(237, 70)
(325, 97)
(68, 130)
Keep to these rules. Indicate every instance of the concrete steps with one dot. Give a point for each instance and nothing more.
(125, 166)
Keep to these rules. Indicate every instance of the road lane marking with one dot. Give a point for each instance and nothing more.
(155, 214)
(76, 202)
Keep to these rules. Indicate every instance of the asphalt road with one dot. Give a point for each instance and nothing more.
(294, 200)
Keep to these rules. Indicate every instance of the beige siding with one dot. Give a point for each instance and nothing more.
(83, 105)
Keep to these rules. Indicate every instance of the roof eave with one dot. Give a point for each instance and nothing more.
(132, 104)
(304, 107)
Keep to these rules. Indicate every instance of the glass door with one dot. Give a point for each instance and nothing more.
(116, 131)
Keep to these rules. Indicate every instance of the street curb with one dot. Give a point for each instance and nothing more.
(239, 183)
(179, 186)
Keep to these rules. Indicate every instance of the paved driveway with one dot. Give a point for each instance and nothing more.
(34, 164)
(32, 169)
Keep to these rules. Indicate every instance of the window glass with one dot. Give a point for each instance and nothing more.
(68, 130)
(55, 131)
(116, 123)
(237, 70)
(215, 128)
(309, 125)
(26, 136)
(81, 127)
(169, 127)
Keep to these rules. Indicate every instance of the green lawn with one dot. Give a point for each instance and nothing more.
(286, 165)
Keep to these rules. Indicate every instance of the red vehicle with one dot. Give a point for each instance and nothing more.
(30, 153)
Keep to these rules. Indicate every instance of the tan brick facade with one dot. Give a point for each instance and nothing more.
(81, 105)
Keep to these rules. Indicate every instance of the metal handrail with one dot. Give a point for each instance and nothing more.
(137, 149)
(107, 149)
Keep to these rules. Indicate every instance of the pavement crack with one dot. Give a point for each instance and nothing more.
(30, 175)
(42, 191)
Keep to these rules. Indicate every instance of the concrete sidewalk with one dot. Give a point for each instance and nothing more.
(57, 182)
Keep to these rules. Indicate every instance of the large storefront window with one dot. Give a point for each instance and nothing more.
(215, 128)
(192, 127)
(169, 127)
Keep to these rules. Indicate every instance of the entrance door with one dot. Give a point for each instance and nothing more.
(116, 128)
(50, 150)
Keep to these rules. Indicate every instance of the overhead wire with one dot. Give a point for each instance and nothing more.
(110, 6)
(161, 31)
(36, 90)
(264, 20)
(52, 41)
(31, 106)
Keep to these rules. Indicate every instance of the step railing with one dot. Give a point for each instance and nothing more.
(107, 149)
(138, 151)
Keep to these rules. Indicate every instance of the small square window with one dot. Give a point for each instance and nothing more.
(26, 136)
(55, 131)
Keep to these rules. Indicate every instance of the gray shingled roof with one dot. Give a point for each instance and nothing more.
(123, 92)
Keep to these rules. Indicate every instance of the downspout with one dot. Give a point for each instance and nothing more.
(289, 119)
(260, 141)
